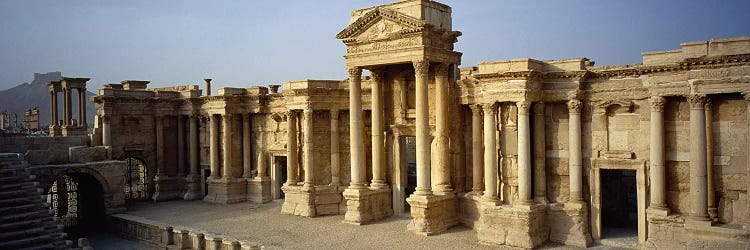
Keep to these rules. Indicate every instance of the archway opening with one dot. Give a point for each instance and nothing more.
(77, 200)
(136, 184)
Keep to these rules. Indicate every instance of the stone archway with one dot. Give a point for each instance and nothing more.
(78, 201)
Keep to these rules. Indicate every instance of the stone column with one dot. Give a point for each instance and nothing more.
(82, 107)
(193, 175)
(421, 70)
(713, 212)
(106, 131)
(247, 158)
(214, 145)
(307, 128)
(575, 164)
(657, 171)
(65, 119)
(698, 181)
(747, 148)
(356, 146)
(335, 166)
(402, 95)
(52, 110)
(180, 146)
(490, 152)
(159, 120)
(226, 172)
(476, 149)
(378, 141)
(69, 103)
(540, 155)
(262, 158)
(442, 168)
(524, 153)
(291, 148)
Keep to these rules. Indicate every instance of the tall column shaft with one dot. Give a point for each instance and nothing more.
(442, 168)
(159, 145)
(55, 118)
(712, 210)
(226, 172)
(69, 102)
(421, 69)
(308, 135)
(51, 108)
(247, 158)
(356, 144)
(490, 152)
(106, 131)
(524, 153)
(214, 145)
(193, 145)
(82, 107)
(180, 145)
(291, 148)
(657, 171)
(574, 150)
(335, 165)
(698, 180)
(476, 149)
(540, 157)
(403, 97)
(378, 139)
(65, 107)
(262, 158)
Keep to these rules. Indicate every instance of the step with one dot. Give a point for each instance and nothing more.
(8, 218)
(18, 185)
(20, 225)
(20, 201)
(17, 193)
(22, 233)
(26, 242)
(22, 208)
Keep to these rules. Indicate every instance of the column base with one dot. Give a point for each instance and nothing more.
(167, 188)
(364, 206)
(226, 191)
(569, 224)
(432, 214)
(298, 200)
(521, 226)
(657, 211)
(713, 213)
(259, 189)
(193, 188)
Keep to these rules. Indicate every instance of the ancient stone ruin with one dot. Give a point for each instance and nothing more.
(524, 152)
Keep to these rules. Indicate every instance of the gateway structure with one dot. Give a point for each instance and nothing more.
(523, 151)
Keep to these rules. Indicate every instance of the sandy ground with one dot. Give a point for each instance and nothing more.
(264, 224)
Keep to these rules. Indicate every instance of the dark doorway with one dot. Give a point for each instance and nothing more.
(77, 200)
(411, 168)
(204, 178)
(619, 203)
(281, 179)
(136, 187)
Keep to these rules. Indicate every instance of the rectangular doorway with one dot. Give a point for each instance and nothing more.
(411, 169)
(279, 176)
(619, 205)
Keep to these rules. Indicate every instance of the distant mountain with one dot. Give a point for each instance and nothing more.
(24, 96)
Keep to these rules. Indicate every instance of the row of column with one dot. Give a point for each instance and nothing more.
(701, 157)
(424, 171)
(484, 144)
(68, 107)
(225, 172)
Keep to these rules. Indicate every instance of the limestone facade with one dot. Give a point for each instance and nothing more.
(515, 149)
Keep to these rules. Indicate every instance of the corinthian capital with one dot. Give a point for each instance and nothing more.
(489, 108)
(539, 108)
(355, 72)
(574, 106)
(421, 67)
(657, 103)
(377, 75)
(523, 107)
(697, 101)
(476, 109)
(441, 70)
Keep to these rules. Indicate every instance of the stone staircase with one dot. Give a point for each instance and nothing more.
(25, 221)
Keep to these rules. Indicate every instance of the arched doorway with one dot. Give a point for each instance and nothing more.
(136, 185)
(77, 200)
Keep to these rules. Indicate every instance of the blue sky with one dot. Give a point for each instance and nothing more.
(244, 43)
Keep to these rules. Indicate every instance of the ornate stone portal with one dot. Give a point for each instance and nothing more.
(518, 150)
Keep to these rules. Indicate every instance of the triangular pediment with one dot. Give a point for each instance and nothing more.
(380, 22)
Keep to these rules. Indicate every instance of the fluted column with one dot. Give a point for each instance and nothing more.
(524, 153)
(657, 171)
(575, 161)
(476, 149)
(540, 157)
(442, 168)
(421, 70)
(356, 144)
(307, 128)
(214, 145)
(82, 107)
(335, 165)
(490, 152)
(226, 172)
(247, 158)
(698, 181)
(378, 142)
(106, 131)
(291, 148)
(180, 146)
(159, 120)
